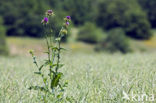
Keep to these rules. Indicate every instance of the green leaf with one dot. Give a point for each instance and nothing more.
(54, 65)
(40, 68)
(38, 73)
(59, 96)
(37, 88)
(61, 65)
(55, 48)
(47, 62)
(65, 84)
(45, 80)
(63, 49)
(55, 81)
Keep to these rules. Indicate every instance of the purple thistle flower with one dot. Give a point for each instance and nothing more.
(67, 23)
(68, 17)
(50, 11)
(45, 20)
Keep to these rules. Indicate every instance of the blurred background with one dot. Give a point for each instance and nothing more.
(111, 26)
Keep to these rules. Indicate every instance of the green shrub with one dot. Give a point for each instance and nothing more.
(115, 41)
(90, 33)
(3, 47)
(126, 14)
(150, 7)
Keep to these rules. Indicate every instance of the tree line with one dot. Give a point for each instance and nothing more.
(21, 17)
(135, 17)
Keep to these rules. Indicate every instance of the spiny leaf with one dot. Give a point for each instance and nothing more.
(39, 73)
(63, 49)
(54, 65)
(47, 52)
(37, 88)
(40, 68)
(61, 65)
(55, 81)
(55, 48)
(47, 62)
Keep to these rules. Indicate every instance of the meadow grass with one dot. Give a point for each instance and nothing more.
(21, 46)
(93, 78)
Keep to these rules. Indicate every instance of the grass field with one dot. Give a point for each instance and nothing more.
(93, 77)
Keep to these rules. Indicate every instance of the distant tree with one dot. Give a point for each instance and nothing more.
(150, 7)
(126, 14)
(90, 33)
(22, 17)
(81, 11)
(114, 42)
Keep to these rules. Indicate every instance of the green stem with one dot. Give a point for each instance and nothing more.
(59, 49)
(58, 56)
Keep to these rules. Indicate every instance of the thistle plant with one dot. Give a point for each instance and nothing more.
(53, 87)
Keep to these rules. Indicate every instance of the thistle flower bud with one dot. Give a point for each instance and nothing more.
(67, 23)
(67, 20)
(31, 52)
(64, 31)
